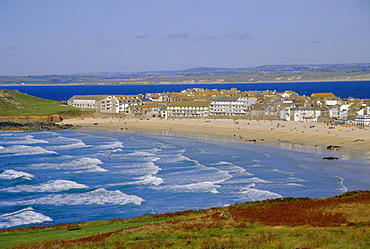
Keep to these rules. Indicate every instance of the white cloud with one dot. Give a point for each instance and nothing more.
(244, 35)
(177, 35)
(141, 34)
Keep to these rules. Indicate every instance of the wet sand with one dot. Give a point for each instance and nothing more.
(251, 131)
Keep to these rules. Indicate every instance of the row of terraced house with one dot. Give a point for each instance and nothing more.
(233, 103)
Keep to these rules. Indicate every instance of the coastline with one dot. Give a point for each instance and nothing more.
(249, 131)
(184, 83)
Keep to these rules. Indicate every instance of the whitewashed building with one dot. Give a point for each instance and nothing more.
(188, 109)
(305, 114)
(99, 103)
(231, 106)
(125, 101)
(362, 120)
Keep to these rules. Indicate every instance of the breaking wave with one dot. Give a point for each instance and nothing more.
(147, 180)
(76, 145)
(252, 194)
(13, 174)
(24, 150)
(200, 187)
(22, 217)
(111, 145)
(50, 186)
(84, 164)
(27, 139)
(99, 196)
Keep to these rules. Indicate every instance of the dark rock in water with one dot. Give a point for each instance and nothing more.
(330, 158)
(31, 126)
(333, 147)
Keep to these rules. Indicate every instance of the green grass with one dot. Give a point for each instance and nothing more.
(11, 239)
(338, 222)
(14, 103)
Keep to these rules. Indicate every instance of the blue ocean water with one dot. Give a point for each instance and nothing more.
(355, 89)
(49, 177)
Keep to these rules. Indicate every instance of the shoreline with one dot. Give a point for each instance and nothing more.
(249, 131)
(180, 83)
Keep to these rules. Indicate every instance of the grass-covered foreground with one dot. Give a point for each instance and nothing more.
(339, 222)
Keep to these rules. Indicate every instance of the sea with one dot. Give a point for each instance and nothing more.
(343, 89)
(76, 175)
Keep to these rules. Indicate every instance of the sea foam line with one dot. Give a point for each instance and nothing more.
(80, 165)
(111, 145)
(250, 193)
(27, 139)
(200, 187)
(50, 186)
(10, 174)
(99, 196)
(147, 180)
(22, 217)
(23, 150)
(75, 145)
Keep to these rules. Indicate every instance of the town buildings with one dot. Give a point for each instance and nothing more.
(235, 104)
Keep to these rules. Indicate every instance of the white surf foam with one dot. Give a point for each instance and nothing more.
(141, 153)
(295, 179)
(283, 172)
(165, 146)
(200, 187)
(342, 188)
(147, 180)
(24, 150)
(99, 196)
(294, 185)
(75, 145)
(247, 180)
(111, 145)
(25, 139)
(13, 174)
(6, 134)
(50, 186)
(177, 158)
(229, 166)
(148, 168)
(84, 164)
(62, 139)
(252, 194)
(255, 179)
(22, 217)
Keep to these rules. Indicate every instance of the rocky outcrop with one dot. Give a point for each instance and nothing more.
(46, 118)
(330, 158)
(31, 125)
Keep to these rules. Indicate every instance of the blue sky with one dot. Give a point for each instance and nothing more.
(82, 36)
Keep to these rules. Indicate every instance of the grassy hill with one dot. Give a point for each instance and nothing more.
(14, 103)
(339, 222)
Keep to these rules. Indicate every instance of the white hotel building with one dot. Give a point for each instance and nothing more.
(231, 106)
(99, 103)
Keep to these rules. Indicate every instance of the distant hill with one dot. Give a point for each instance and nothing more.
(203, 75)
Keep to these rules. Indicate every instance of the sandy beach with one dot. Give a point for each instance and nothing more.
(252, 131)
